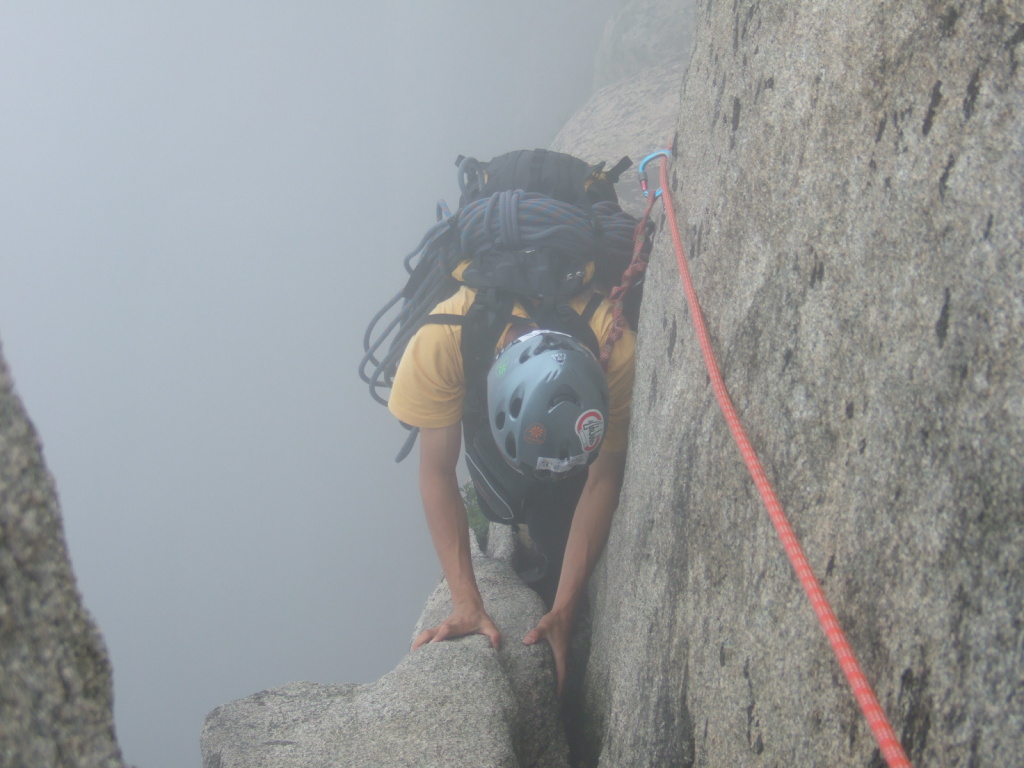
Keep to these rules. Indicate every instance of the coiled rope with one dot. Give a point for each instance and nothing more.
(888, 744)
(517, 220)
(505, 221)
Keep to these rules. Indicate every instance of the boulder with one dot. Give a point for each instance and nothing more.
(459, 702)
(55, 680)
(848, 182)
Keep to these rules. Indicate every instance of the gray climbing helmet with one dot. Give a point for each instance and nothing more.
(547, 405)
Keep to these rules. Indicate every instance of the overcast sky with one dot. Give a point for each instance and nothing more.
(201, 206)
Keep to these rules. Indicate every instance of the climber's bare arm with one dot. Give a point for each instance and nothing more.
(587, 538)
(449, 529)
(590, 526)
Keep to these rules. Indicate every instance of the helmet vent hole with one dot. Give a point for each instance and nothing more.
(499, 420)
(510, 445)
(562, 397)
(515, 406)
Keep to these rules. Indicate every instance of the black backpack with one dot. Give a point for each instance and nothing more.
(531, 227)
(554, 174)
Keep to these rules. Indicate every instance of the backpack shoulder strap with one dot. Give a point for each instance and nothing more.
(588, 311)
(562, 317)
(501, 491)
(482, 327)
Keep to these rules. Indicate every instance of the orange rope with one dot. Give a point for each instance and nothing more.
(889, 745)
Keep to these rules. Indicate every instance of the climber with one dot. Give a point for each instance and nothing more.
(516, 379)
(428, 392)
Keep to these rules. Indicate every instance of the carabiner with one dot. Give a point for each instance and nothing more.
(642, 170)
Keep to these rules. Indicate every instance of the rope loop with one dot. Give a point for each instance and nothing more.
(517, 220)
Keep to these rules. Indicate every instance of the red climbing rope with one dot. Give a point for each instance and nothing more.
(889, 745)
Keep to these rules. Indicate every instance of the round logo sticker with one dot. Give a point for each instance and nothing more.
(535, 433)
(590, 428)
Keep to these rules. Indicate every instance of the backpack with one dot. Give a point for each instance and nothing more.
(554, 174)
(534, 228)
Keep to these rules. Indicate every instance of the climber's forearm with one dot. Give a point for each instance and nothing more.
(590, 526)
(446, 512)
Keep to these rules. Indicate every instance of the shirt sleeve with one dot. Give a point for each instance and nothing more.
(428, 389)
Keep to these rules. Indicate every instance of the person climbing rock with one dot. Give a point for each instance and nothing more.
(529, 366)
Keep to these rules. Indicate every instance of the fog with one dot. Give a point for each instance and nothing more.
(201, 206)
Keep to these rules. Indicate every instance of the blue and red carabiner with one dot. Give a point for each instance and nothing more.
(642, 170)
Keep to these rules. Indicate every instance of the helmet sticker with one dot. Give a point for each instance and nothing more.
(501, 368)
(559, 357)
(536, 434)
(590, 428)
(561, 465)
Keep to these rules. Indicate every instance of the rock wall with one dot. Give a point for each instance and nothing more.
(55, 686)
(849, 179)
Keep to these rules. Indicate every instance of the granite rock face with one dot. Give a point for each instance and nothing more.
(454, 703)
(848, 177)
(55, 686)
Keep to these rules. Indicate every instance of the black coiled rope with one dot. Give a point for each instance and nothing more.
(506, 221)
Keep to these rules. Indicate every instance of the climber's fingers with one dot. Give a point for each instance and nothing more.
(488, 629)
(493, 635)
(424, 637)
(556, 631)
(459, 624)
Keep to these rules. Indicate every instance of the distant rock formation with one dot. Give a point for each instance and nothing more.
(849, 180)
(55, 688)
(457, 703)
(642, 34)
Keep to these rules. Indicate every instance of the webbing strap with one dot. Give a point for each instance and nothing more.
(888, 744)
(440, 318)
(592, 305)
(637, 266)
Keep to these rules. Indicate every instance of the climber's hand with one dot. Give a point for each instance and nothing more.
(556, 628)
(464, 620)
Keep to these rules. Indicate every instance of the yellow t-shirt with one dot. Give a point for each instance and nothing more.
(429, 386)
